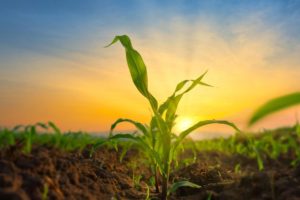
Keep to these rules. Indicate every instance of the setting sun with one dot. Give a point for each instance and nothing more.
(183, 124)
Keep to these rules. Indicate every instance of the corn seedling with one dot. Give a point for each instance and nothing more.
(157, 139)
(29, 134)
(7, 138)
(256, 145)
(35, 134)
(57, 134)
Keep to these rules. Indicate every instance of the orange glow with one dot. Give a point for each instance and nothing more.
(93, 92)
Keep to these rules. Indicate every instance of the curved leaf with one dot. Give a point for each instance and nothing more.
(171, 104)
(18, 127)
(138, 125)
(199, 124)
(141, 143)
(42, 125)
(179, 184)
(54, 127)
(137, 68)
(128, 137)
(99, 143)
(274, 105)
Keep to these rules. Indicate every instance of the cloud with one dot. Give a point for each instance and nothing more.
(250, 59)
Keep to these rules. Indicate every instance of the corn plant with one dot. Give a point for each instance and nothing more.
(29, 134)
(157, 139)
(7, 138)
(255, 151)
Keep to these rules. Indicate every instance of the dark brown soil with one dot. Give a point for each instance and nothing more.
(74, 175)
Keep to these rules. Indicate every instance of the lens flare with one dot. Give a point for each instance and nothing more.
(183, 124)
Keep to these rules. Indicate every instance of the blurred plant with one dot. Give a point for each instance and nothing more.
(237, 168)
(7, 138)
(275, 105)
(29, 134)
(45, 192)
(136, 180)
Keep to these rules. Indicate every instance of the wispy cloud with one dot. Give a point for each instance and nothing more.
(251, 52)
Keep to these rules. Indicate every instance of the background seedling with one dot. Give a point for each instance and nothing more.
(40, 133)
(7, 138)
(275, 105)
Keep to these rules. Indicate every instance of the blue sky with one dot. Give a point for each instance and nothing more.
(53, 50)
(49, 26)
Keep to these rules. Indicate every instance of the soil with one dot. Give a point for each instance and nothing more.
(56, 174)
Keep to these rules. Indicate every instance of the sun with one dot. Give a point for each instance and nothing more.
(183, 123)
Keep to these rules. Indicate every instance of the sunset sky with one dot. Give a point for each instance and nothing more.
(53, 65)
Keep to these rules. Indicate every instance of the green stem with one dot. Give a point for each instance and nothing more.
(164, 194)
(166, 169)
(156, 180)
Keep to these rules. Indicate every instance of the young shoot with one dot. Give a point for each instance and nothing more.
(157, 139)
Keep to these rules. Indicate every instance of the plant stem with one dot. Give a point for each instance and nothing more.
(165, 181)
(164, 193)
(156, 180)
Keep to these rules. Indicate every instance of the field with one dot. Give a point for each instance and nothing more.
(52, 165)
(39, 161)
(150, 100)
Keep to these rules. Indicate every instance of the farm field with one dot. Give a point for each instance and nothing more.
(39, 161)
(150, 100)
(74, 166)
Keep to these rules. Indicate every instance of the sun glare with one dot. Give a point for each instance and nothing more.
(183, 124)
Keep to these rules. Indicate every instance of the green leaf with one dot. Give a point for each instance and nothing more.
(42, 125)
(99, 143)
(147, 193)
(171, 104)
(179, 184)
(259, 160)
(137, 68)
(181, 85)
(298, 130)
(274, 105)
(17, 128)
(138, 125)
(32, 130)
(54, 127)
(196, 82)
(199, 124)
(141, 143)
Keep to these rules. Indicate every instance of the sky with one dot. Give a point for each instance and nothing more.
(53, 64)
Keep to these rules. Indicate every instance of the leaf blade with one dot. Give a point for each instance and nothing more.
(199, 124)
(179, 184)
(274, 105)
(137, 68)
(138, 125)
